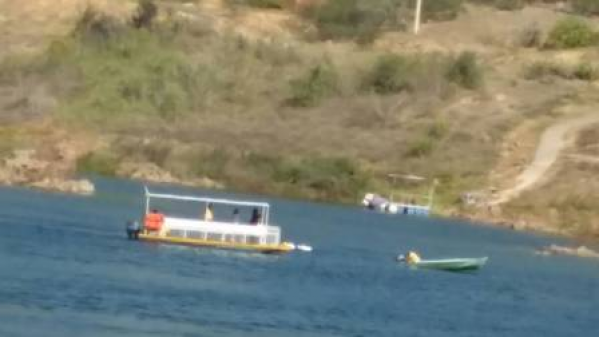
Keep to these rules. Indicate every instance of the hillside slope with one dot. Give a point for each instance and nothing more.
(218, 94)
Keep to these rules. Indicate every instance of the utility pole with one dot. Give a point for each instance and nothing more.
(417, 16)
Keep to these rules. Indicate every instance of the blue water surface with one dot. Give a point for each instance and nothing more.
(66, 269)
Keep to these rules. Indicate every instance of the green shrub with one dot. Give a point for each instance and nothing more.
(421, 147)
(571, 33)
(262, 164)
(441, 9)
(147, 11)
(531, 37)
(315, 177)
(319, 83)
(586, 72)
(96, 27)
(112, 71)
(133, 73)
(465, 71)
(9, 139)
(586, 7)
(211, 164)
(109, 73)
(438, 129)
(323, 177)
(543, 69)
(275, 53)
(101, 163)
(391, 74)
(361, 20)
(546, 69)
(156, 152)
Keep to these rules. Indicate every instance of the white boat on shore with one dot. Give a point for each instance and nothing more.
(408, 204)
(376, 202)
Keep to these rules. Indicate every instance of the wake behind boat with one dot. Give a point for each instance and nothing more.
(255, 235)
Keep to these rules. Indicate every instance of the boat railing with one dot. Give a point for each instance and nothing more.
(412, 206)
(273, 235)
(222, 231)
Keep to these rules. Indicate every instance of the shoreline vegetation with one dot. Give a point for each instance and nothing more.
(322, 101)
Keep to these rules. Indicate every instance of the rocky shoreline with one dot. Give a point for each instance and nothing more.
(513, 224)
(152, 173)
(581, 251)
(25, 168)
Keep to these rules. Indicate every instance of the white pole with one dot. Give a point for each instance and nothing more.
(417, 16)
(432, 193)
(147, 200)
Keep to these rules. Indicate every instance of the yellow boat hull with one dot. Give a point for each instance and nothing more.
(267, 249)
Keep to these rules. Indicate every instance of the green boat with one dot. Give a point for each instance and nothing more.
(456, 264)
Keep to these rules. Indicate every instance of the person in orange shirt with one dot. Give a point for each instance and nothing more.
(153, 221)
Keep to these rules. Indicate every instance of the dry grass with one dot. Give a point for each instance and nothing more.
(239, 107)
(569, 202)
(588, 141)
(234, 123)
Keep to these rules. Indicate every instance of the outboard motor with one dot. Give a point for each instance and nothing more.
(133, 229)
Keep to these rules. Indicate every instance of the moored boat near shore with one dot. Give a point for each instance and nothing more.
(419, 204)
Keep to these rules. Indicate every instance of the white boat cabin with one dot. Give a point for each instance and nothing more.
(217, 228)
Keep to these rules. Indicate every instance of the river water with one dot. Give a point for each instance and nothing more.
(66, 269)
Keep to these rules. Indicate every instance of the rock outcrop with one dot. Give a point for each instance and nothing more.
(581, 251)
(152, 173)
(81, 186)
(25, 168)
(146, 172)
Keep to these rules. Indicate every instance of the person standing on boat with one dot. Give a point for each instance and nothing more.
(236, 215)
(256, 217)
(209, 213)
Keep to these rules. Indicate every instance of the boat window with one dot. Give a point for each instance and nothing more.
(215, 237)
(195, 234)
(253, 240)
(272, 239)
(229, 238)
(177, 233)
(239, 238)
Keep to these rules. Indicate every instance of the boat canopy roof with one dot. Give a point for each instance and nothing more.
(206, 200)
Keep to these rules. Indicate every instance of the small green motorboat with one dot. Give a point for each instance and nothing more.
(454, 264)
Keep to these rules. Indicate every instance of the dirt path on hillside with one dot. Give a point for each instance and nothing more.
(555, 139)
(584, 158)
